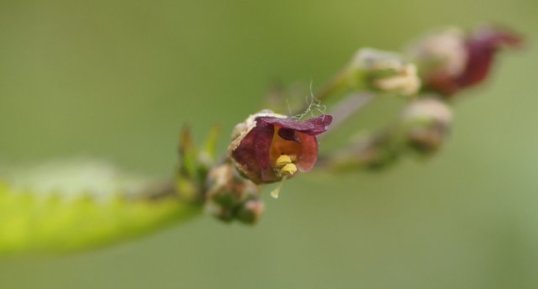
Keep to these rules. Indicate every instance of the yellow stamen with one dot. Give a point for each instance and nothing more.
(285, 165)
(276, 192)
(288, 170)
(283, 160)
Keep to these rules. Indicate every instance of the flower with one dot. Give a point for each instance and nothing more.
(269, 147)
(451, 60)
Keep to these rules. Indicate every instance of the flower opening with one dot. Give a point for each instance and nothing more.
(269, 147)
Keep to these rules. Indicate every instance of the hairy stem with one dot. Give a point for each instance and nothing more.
(348, 107)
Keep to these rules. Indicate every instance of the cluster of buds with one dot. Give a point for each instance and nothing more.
(230, 197)
(268, 147)
(447, 62)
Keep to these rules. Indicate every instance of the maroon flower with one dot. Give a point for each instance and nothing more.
(268, 147)
(481, 48)
(453, 61)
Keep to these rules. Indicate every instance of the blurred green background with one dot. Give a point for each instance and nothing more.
(117, 79)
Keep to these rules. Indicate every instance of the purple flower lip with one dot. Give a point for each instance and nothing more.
(313, 126)
(481, 48)
(270, 147)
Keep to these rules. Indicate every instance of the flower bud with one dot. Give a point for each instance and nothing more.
(250, 211)
(269, 147)
(386, 71)
(440, 53)
(427, 123)
(451, 60)
(227, 191)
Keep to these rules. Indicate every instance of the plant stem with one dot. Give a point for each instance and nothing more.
(336, 85)
(348, 107)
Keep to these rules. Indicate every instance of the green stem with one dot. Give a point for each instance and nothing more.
(336, 85)
(347, 108)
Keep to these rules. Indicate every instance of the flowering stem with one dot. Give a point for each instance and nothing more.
(265, 148)
(336, 85)
(348, 107)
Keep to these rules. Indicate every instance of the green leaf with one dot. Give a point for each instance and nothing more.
(34, 220)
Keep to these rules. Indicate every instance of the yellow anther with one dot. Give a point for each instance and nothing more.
(282, 161)
(288, 169)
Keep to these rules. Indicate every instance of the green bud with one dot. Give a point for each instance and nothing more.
(427, 123)
(250, 211)
(384, 71)
(227, 192)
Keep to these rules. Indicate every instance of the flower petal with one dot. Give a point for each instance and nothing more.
(251, 155)
(313, 126)
(481, 49)
(309, 152)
